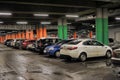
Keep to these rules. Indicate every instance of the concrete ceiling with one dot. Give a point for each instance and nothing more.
(24, 10)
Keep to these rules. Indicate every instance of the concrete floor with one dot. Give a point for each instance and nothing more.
(25, 65)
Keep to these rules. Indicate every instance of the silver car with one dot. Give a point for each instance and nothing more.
(116, 61)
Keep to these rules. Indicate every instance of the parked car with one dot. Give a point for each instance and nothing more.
(44, 42)
(116, 61)
(31, 46)
(25, 43)
(7, 42)
(85, 48)
(113, 43)
(12, 44)
(18, 43)
(54, 50)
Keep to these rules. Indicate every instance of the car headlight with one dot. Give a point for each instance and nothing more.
(52, 48)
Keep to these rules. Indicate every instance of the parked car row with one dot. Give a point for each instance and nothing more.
(74, 48)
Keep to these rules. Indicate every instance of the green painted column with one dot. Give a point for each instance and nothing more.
(102, 25)
(65, 29)
(99, 25)
(60, 29)
(105, 26)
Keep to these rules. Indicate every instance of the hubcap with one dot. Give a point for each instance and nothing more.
(57, 54)
(83, 57)
(108, 54)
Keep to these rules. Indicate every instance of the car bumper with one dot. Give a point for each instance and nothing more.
(64, 56)
(50, 52)
(115, 61)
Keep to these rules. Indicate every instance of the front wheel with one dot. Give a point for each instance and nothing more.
(57, 54)
(108, 54)
(83, 57)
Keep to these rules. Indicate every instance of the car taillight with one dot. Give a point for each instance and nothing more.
(72, 48)
(24, 43)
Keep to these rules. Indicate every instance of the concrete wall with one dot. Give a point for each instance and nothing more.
(114, 33)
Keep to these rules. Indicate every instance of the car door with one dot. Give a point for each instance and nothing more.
(100, 48)
(89, 48)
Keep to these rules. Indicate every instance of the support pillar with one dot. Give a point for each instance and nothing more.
(27, 34)
(31, 35)
(44, 31)
(23, 35)
(60, 29)
(65, 30)
(102, 25)
(75, 35)
(37, 32)
(90, 34)
(40, 32)
(105, 25)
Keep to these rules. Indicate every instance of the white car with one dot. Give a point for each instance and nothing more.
(85, 48)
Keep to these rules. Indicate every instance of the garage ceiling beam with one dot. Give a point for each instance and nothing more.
(27, 18)
(87, 5)
(109, 0)
(31, 12)
(55, 13)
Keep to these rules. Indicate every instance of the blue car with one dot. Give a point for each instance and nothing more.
(54, 50)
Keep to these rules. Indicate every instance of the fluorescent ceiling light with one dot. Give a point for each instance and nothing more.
(2, 31)
(5, 13)
(45, 22)
(41, 15)
(110, 25)
(68, 23)
(76, 16)
(117, 18)
(14, 31)
(22, 22)
(1, 22)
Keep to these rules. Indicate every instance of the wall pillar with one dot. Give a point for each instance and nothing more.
(60, 29)
(105, 26)
(65, 29)
(102, 25)
(44, 31)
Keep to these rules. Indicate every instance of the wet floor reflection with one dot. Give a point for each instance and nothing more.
(25, 65)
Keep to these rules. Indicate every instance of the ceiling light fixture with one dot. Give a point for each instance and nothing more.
(1, 22)
(22, 22)
(5, 13)
(44, 15)
(117, 18)
(73, 16)
(45, 22)
(68, 23)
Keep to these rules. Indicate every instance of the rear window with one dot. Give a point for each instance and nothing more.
(74, 42)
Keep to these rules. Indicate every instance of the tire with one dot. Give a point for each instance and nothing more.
(108, 54)
(68, 58)
(57, 54)
(83, 57)
(20, 47)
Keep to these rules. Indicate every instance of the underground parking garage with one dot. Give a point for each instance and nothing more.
(59, 40)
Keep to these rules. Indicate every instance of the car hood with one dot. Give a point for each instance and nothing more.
(55, 46)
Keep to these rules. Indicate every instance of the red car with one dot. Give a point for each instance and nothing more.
(27, 42)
